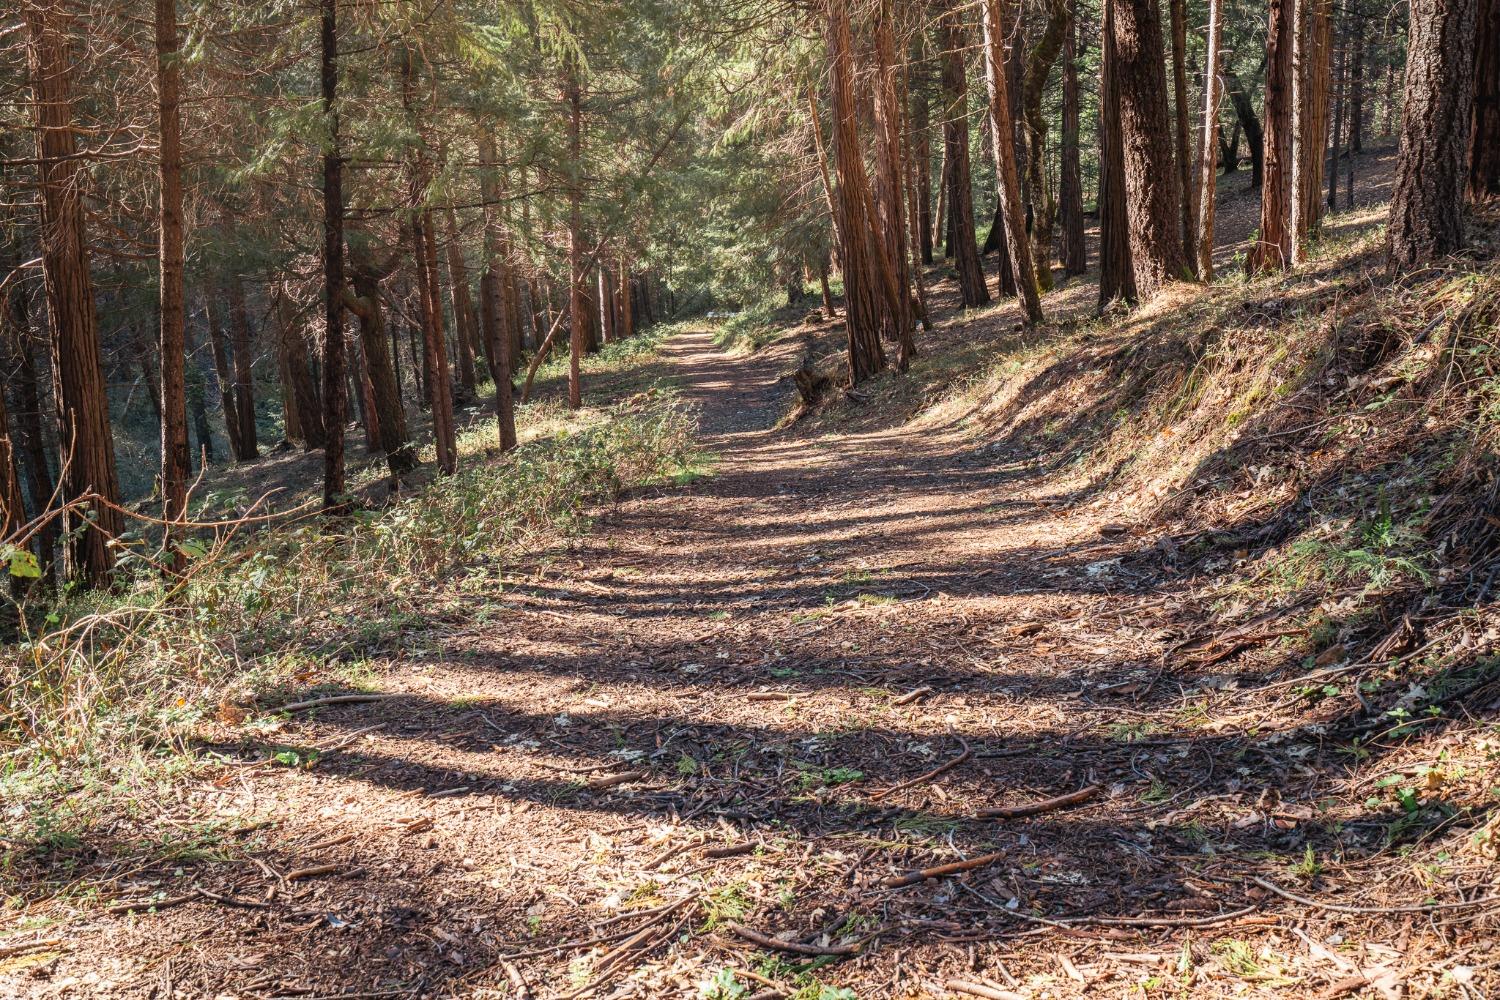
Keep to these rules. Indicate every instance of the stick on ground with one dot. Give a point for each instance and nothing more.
(1045, 805)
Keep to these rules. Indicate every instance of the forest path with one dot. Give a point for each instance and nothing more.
(723, 708)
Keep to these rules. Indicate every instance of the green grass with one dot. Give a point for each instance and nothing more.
(107, 690)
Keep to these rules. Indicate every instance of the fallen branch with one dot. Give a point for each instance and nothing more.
(912, 695)
(312, 871)
(940, 769)
(8, 950)
(731, 850)
(912, 878)
(337, 699)
(611, 780)
(1340, 908)
(146, 904)
(795, 947)
(979, 990)
(1045, 805)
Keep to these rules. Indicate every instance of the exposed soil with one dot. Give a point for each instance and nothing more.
(724, 713)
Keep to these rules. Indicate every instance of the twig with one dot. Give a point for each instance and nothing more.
(610, 780)
(337, 699)
(1339, 908)
(244, 904)
(1045, 805)
(912, 878)
(912, 695)
(312, 871)
(731, 850)
(941, 768)
(795, 947)
(977, 990)
(146, 904)
(8, 950)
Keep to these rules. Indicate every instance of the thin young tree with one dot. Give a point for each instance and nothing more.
(1273, 250)
(1209, 151)
(1007, 182)
(176, 457)
(335, 392)
(1116, 275)
(1178, 19)
(1152, 202)
(1075, 258)
(1432, 162)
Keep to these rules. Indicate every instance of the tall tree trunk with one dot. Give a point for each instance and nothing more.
(1116, 274)
(12, 504)
(1311, 46)
(576, 317)
(220, 350)
(1152, 203)
(83, 405)
(465, 324)
(1273, 251)
(176, 458)
(1037, 192)
(1431, 167)
(1178, 19)
(1484, 134)
(439, 377)
(921, 113)
(1007, 183)
(962, 244)
(890, 205)
(494, 287)
(941, 223)
(335, 399)
(303, 405)
(1244, 112)
(855, 214)
(197, 404)
(1075, 255)
(244, 380)
(1212, 92)
(363, 299)
(32, 441)
(1337, 134)
(1357, 83)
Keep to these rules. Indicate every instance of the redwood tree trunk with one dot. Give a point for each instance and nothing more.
(1484, 134)
(961, 242)
(1180, 104)
(244, 382)
(29, 437)
(83, 406)
(465, 323)
(576, 310)
(1274, 249)
(176, 457)
(859, 243)
(1075, 257)
(335, 391)
(1116, 275)
(1431, 167)
(1152, 203)
(220, 350)
(1311, 46)
(1007, 182)
(496, 284)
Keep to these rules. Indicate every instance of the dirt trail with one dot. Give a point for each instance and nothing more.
(736, 663)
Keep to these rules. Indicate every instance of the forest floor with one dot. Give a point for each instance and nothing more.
(702, 751)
